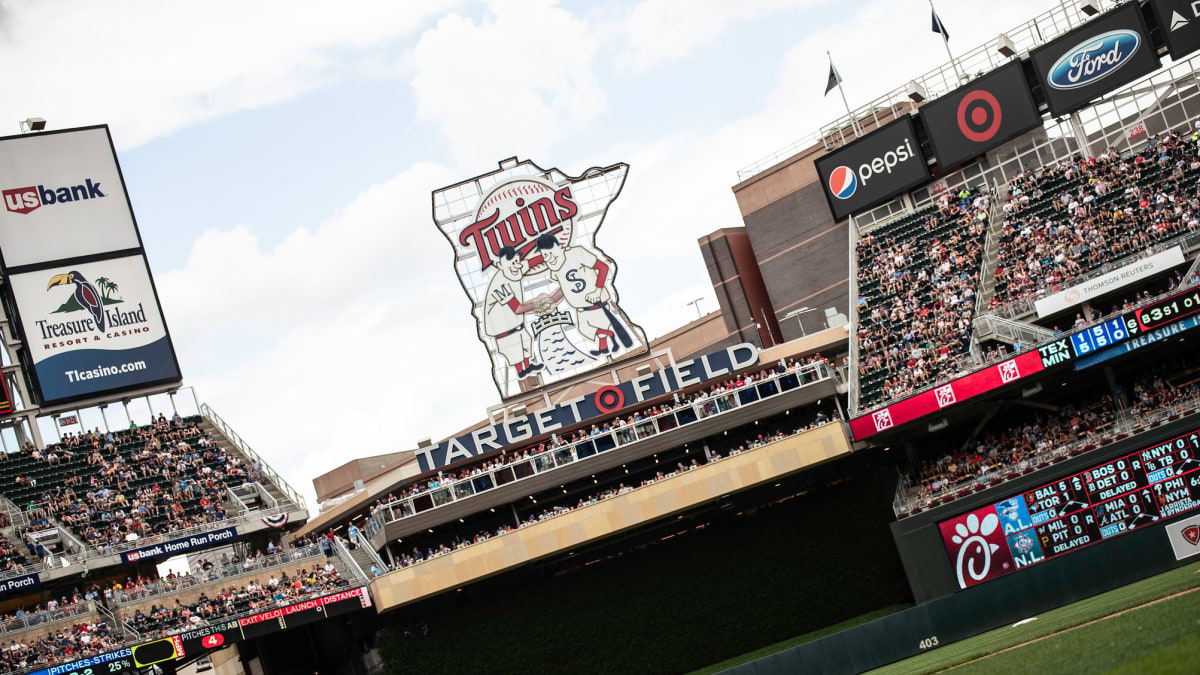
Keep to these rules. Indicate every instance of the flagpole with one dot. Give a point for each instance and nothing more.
(853, 122)
(946, 43)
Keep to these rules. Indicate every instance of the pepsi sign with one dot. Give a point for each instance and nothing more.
(1092, 60)
(979, 116)
(873, 169)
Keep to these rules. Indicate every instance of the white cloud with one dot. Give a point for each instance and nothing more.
(662, 31)
(518, 80)
(151, 67)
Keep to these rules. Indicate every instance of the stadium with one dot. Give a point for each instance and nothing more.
(947, 414)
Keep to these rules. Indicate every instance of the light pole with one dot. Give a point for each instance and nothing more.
(796, 313)
(696, 303)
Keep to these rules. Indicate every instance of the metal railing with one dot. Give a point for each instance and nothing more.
(364, 544)
(343, 552)
(553, 457)
(909, 500)
(44, 618)
(208, 413)
(247, 567)
(1012, 331)
(941, 80)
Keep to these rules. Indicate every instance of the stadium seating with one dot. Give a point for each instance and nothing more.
(916, 296)
(1072, 219)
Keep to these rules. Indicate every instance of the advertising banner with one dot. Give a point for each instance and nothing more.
(181, 545)
(1185, 536)
(977, 546)
(1179, 23)
(543, 294)
(93, 328)
(1094, 59)
(1118, 278)
(977, 117)
(23, 583)
(63, 197)
(873, 169)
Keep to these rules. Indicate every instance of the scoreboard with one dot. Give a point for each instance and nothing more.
(1109, 499)
(1136, 322)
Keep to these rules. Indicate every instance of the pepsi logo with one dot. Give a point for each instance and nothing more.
(843, 182)
(1093, 59)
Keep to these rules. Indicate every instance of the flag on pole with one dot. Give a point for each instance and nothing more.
(834, 79)
(939, 27)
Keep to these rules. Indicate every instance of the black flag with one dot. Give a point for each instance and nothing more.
(939, 27)
(834, 79)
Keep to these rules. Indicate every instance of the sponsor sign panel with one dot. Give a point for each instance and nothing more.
(977, 545)
(1103, 54)
(1179, 23)
(1138, 341)
(543, 294)
(873, 169)
(63, 197)
(1185, 537)
(605, 400)
(977, 117)
(951, 393)
(1118, 278)
(21, 584)
(181, 545)
(93, 328)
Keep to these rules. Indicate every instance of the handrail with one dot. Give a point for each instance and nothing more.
(553, 457)
(339, 547)
(47, 616)
(364, 543)
(211, 415)
(226, 572)
(904, 504)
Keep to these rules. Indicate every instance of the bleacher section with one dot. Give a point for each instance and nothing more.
(916, 286)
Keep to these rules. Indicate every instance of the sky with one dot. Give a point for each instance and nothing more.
(280, 158)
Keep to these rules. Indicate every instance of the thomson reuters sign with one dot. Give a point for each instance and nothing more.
(873, 169)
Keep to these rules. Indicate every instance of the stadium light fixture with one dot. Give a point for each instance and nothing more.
(916, 93)
(1006, 47)
(1090, 7)
(32, 124)
(696, 303)
(796, 314)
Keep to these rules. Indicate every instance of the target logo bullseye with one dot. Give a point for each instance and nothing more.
(979, 116)
(609, 399)
(843, 182)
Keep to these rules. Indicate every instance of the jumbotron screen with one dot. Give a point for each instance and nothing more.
(1105, 501)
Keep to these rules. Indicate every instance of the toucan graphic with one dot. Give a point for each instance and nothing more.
(85, 294)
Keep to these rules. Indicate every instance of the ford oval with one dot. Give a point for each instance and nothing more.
(1094, 60)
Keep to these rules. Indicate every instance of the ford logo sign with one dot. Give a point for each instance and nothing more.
(1093, 60)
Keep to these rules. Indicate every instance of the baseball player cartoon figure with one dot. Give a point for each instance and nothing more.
(504, 310)
(581, 276)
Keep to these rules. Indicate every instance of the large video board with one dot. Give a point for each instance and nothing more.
(63, 197)
(872, 169)
(1105, 501)
(1092, 60)
(93, 327)
(977, 117)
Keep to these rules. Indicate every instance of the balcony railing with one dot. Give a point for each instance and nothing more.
(218, 574)
(552, 458)
(48, 616)
(909, 501)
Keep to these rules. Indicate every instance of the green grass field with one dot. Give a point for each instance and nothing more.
(1089, 636)
(1158, 638)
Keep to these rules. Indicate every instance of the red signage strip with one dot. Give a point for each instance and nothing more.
(946, 395)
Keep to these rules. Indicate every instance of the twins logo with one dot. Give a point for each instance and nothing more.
(1093, 59)
(543, 294)
(843, 182)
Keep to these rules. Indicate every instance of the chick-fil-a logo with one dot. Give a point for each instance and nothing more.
(977, 546)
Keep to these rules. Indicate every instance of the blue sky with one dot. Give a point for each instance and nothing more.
(280, 158)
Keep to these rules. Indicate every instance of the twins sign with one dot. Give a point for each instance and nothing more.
(543, 295)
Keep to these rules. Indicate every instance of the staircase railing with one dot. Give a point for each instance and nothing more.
(365, 545)
(339, 547)
(253, 456)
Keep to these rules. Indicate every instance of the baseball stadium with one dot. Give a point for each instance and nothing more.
(946, 417)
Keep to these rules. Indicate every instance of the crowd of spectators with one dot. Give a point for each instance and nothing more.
(255, 596)
(120, 487)
(916, 295)
(66, 644)
(750, 442)
(1066, 220)
(1021, 446)
(706, 401)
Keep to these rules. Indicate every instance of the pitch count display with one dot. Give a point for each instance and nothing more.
(1107, 500)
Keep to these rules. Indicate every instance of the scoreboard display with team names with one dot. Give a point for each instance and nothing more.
(1105, 501)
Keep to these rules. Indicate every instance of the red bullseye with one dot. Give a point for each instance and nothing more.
(979, 116)
(609, 399)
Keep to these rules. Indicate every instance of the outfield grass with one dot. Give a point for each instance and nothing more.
(799, 640)
(1160, 638)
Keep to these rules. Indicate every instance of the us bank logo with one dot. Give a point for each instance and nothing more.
(842, 182)
(1093, 60)
(25, 200)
